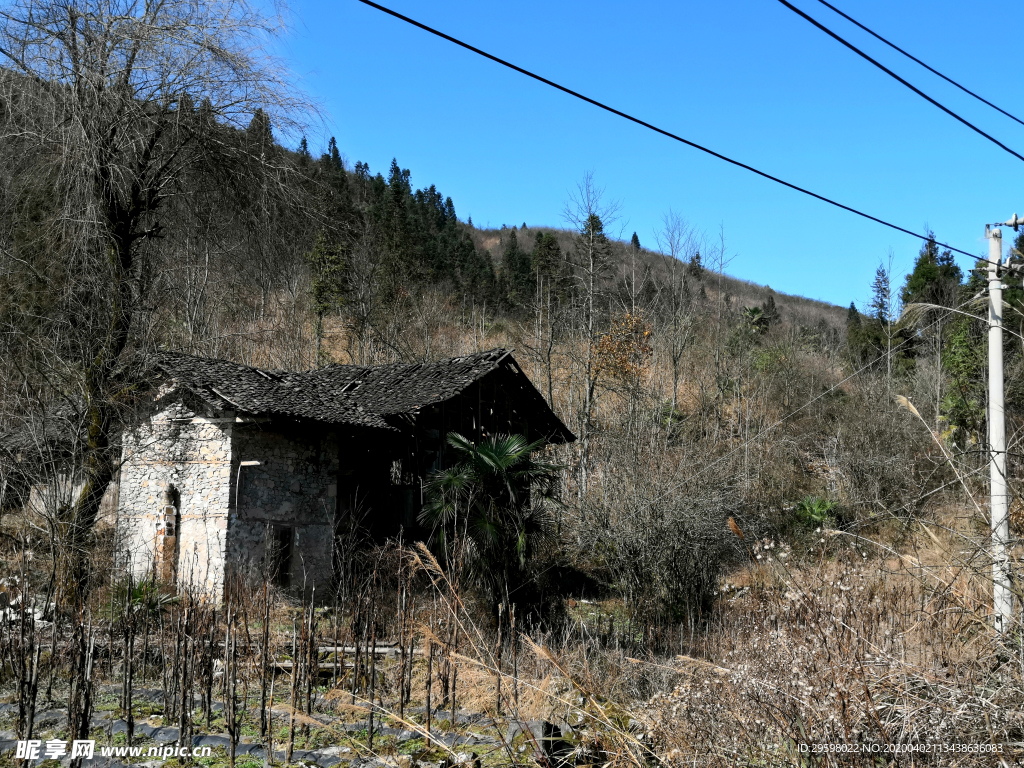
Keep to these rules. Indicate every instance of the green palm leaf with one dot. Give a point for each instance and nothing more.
(496, 500)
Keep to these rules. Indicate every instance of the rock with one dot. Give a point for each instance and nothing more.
(366, 762)
(353, 727)
(335, 751)
(327, 761)
(462, 759)
(462, 717)
(452, 740)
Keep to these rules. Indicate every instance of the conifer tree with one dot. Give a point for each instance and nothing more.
(769, 312)
(934, 278)
(547, 255)
(852, 316)
(934, 281)
(327, 263)
(695, 268)
(883, 311)
(334, 155)
(259, 136)
(881, 295)
(518, 271)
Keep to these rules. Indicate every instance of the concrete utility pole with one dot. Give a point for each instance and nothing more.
(999, 508)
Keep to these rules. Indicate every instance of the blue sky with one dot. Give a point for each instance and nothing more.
(747, 78)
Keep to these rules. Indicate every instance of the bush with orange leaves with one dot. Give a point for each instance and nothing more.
(624, 350)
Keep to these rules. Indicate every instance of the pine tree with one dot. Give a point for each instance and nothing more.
(852, 316)
(882, 309)
(334, 155)
(935, 277)
(695, 268)
(881, 295)
(935, 280)
(769, 312)
(328, 264)
(518, 271)
(547, 256)
(635, 242)
(1013, 293)
(396, 208)
(259, 135)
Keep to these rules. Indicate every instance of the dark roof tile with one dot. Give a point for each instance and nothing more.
(339, 394)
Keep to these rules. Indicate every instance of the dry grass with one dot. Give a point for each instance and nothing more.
(854, 649)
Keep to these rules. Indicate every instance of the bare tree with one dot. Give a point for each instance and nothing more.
(99, 127)
(680, 243)
(588, 214)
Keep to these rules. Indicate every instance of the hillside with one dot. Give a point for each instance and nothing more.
(741, 293)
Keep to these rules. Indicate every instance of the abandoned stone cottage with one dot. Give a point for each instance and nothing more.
(234, 466)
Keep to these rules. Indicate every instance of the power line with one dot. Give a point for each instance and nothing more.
(918, 61)
(892, 74)
(656, 129)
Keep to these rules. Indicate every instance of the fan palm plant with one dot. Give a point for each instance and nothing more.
(490, 512)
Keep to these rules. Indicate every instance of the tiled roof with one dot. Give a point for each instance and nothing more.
(231, 386)
(338, 394)
(403, 387)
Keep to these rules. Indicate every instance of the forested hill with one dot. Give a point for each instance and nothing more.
(700, 258)
(410, 238)
(504, 265)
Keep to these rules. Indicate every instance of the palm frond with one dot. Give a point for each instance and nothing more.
(501, 499)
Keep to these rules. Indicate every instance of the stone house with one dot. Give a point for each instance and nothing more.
(234, 467)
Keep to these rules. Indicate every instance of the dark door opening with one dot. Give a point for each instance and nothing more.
(281, 556)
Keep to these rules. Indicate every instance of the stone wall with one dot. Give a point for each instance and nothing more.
(176, 510)
(190, 455)
(290, 497)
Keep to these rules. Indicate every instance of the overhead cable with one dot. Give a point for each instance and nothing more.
(913, 58)
(656, 129)
(893, 75)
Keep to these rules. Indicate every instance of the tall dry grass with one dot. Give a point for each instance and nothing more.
(890, 654)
